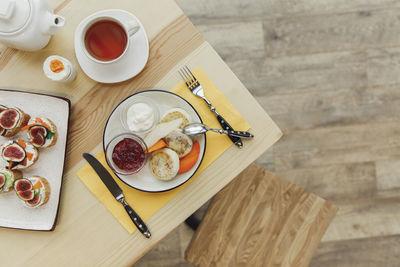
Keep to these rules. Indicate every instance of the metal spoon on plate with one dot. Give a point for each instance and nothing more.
(199, 128)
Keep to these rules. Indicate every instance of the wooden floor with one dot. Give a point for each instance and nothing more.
(328, 72)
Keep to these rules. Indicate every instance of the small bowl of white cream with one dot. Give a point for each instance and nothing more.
(139, 115)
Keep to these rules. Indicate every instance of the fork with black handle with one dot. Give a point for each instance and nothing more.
(195, 87)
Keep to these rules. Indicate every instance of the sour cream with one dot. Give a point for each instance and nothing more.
(140, 117)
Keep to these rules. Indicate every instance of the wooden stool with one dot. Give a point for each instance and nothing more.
(260, 219)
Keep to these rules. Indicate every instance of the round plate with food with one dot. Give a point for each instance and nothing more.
(144, 143)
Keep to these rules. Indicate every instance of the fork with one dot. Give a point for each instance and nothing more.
(195, 87)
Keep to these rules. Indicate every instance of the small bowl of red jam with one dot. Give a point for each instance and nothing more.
(126, 154)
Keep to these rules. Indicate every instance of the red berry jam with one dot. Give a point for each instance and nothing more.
(128, 155)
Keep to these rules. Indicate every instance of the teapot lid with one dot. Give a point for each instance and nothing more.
(14, 15)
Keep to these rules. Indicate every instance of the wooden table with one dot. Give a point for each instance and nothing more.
(86, 233)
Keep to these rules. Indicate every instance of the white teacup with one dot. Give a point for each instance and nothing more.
(130, 28)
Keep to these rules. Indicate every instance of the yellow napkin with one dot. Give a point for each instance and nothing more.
(147, 204)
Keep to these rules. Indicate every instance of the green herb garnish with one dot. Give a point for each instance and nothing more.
(50, 135)
(37, 191)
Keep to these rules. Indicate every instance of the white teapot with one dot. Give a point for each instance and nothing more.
(27, 24)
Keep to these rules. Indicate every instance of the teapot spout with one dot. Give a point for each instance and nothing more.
(55, 24)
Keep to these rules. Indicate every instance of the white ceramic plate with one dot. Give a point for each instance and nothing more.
(130, 65)
(164, 100)
(50, 165)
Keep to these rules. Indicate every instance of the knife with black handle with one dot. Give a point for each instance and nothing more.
(116, 191)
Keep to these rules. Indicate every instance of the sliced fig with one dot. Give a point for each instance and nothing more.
(38, 140)
(33, 202)
(22, 185)
(2, 180)
(34, 130)
(26, 195)
(14, 152)
(24, 162)
(9, 118)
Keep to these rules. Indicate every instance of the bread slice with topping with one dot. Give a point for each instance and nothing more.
(42, 132)
(164, 164)
(12, 120)
(19, 154)
(7, 179)
(33, 191)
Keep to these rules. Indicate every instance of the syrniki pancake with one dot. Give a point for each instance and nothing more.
(179, 142)
(164, 164)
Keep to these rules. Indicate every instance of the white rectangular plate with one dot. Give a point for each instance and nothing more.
(50, 165)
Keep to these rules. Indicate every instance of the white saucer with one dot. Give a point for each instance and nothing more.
(130, 65)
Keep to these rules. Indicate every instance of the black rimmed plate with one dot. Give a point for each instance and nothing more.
(164, 100)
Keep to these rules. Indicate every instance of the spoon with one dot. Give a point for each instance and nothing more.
(199, 128)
